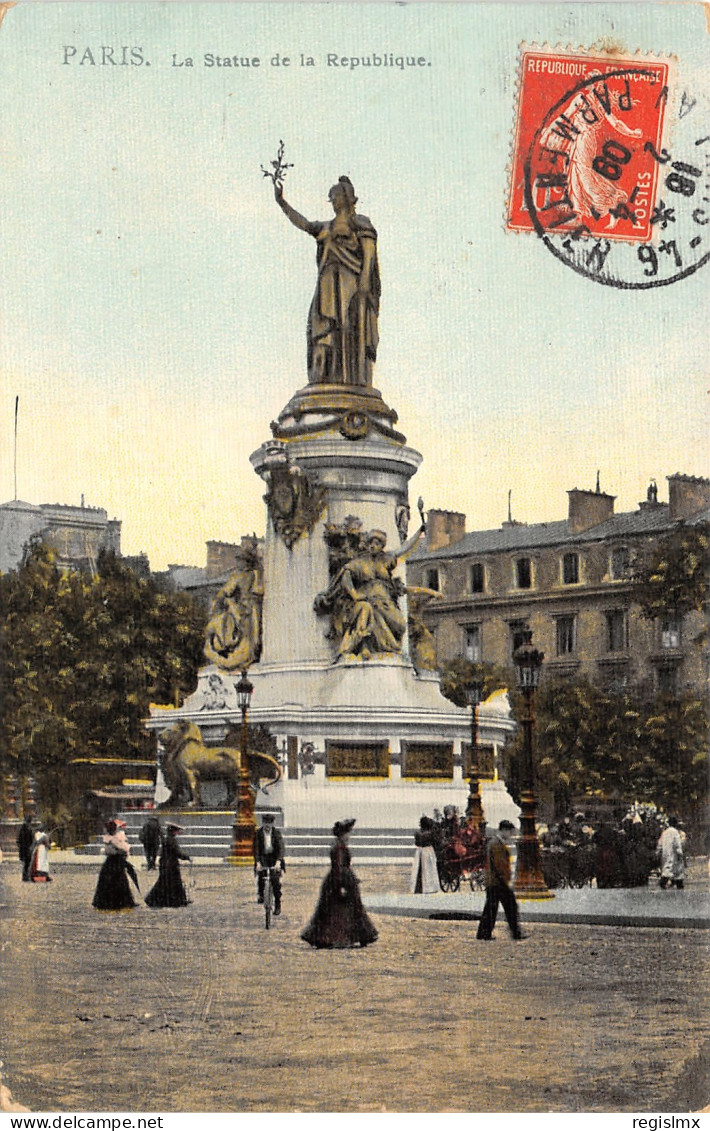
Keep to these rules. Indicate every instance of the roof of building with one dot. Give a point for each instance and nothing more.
(653, 519)
(19, 505)
(187, 576)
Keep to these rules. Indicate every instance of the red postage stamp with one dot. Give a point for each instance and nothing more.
(588, 135)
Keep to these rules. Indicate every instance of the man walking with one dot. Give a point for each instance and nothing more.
(269, 853)
(25, 846)
(151, 837)
(498, 889)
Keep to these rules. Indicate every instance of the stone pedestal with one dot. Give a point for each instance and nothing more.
(366, 479)
(335, 457)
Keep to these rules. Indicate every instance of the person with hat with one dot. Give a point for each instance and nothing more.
(269, 854)
(340, 920)
(169, 890)
(498, 889)
(113, 892)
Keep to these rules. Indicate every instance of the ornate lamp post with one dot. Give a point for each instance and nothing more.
(529, 882)
(474, 695)
(245, 825)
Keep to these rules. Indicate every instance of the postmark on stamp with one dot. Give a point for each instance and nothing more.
(591, 173)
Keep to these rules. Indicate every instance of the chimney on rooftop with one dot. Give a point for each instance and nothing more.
(687, 494)
(443, 528)
(588, 509)
(222, 557)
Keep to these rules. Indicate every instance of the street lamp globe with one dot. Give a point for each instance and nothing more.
(244, 691)
(528, 661)
(474, 692)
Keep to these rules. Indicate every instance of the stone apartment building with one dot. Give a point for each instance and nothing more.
(222, 558)
(567, 581)
(77, 534)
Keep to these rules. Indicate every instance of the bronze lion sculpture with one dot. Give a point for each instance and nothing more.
(187, 762)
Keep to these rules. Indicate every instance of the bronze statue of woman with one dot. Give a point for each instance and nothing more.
(342, 320)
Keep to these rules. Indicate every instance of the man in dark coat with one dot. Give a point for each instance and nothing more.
(269, 853)
(25, 845)
(498, 889)
(151, 837)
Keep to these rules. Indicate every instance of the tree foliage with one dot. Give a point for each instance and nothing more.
(593, 741)
(627, 744)
(672, 578)
(458, 674)
(83, 657)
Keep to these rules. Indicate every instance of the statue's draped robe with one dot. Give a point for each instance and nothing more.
(375, 621)
(342, 320)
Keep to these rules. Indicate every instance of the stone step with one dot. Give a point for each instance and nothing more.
(208, 833)
(308, 845)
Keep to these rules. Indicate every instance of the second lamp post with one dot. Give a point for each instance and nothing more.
(245, 825)
(474, 808)
(529, 882)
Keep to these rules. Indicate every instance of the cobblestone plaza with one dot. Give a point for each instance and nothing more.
(201, 1009)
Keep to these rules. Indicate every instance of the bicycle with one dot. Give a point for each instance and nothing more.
(269, 898)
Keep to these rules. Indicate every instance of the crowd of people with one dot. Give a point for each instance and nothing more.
(339, 919)
(621, 853)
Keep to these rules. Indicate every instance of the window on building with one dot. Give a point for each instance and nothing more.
(667, 680)
(431, 579)
(616, 640)
(620, 562)
(570, 569)
(478, 579)
(523, 573)
(566, 642)
(472, 642)
(670, 633)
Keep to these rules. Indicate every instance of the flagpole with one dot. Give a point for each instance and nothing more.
(17, 402)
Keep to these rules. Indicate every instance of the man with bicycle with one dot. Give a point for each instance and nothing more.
(269, 854)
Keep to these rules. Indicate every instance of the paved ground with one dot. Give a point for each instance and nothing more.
(617, 907)
(200, 1009)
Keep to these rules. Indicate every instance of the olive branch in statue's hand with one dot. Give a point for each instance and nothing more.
(277, 172)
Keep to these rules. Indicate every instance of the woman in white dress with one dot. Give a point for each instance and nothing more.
(670, 847)
(39, 864)
(425, 874)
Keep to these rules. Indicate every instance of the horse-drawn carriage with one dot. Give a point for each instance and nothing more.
(462, 858)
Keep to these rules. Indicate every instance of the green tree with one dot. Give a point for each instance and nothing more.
(672, 578)
(590, 741)
(83, 657)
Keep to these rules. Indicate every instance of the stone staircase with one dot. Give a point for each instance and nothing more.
(368, 846)
(205, 833)
(209, 835)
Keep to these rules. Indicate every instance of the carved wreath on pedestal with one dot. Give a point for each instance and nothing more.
(294, 504)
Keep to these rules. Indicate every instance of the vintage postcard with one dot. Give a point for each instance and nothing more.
(355, 499)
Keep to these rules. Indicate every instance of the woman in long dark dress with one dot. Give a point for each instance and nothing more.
(169, 890)
(340, 920)
(113, 892)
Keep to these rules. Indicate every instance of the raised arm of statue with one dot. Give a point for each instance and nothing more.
(411, 544)
(295, 217)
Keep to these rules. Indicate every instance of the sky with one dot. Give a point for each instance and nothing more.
(154, 297)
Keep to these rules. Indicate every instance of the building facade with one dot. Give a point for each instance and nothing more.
(76, 534)
(569, 582)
